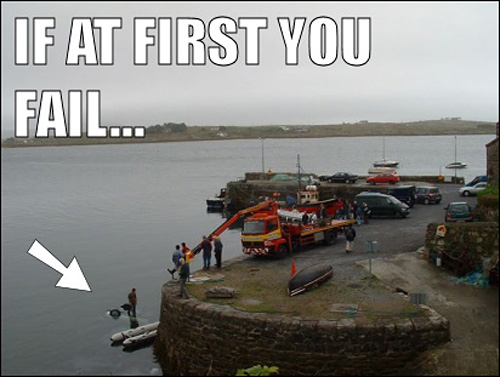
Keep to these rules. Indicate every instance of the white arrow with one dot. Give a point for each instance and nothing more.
(72, 277)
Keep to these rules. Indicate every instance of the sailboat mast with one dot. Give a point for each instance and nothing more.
(455, 148)
(455, 159)
(300, 186)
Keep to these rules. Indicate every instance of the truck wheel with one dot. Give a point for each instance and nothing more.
(281, 252)
(426, 201)
(330, 237)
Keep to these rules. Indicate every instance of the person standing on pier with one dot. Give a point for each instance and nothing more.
(350, 235)
(176, 256)
(206, 245)
(183, 275)
(367, 212)
(184, 249)
(322, 212)
(218, 251)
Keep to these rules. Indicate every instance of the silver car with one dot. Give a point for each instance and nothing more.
(472, 190)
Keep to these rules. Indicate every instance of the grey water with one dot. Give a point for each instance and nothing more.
(120, 209)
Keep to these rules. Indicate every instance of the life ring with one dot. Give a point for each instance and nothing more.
(441, 230)
(115, 313)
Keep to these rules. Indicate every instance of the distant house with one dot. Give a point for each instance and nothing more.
(492, 160)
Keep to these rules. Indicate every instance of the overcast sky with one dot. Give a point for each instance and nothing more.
(427, 61)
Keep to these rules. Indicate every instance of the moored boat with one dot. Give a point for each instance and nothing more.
(140, 340)
(386, 163)
(309, 277)
(381, 170)
(456, 165)
(122, 335)
(217, 202)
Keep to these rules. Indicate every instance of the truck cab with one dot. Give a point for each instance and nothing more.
(262, 235)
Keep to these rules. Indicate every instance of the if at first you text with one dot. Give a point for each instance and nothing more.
(221, 40)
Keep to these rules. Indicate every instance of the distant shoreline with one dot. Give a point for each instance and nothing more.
(163, 134)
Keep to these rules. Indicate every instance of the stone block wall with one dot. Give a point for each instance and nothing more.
(492, 161)
(255, 185)
(464, 245)
(196, 338)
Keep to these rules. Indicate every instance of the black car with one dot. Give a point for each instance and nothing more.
(382, 204)
(342, 177)
(404, 193)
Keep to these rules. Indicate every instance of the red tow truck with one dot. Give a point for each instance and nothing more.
(270, 231)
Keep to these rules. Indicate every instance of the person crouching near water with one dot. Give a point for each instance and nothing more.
(183, 275)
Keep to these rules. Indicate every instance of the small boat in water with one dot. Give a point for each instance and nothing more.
(217, 202)
(309, 277)
(123, 335)
(456, 165)
(381, 170)
(384, 162)
(140, 340)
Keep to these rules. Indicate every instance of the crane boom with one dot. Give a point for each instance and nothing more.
(268, 203)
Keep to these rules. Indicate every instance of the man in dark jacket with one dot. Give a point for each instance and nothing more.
(206, 245)
(350, 235)
(218, 251)
(183, 275)
(132, 300)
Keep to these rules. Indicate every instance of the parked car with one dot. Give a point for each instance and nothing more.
(428, 194)
(479, 178)
(472, 190)
(382, 204)
(342, 177)
(404, 193)
(458, 211)
(383, 178)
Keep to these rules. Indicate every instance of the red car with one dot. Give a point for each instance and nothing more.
(387, 178)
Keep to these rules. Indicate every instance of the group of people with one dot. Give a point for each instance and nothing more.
(353, 210)
(206, 245)
(314, 217)
(182, 257)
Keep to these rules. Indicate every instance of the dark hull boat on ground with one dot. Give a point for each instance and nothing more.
(309, 277)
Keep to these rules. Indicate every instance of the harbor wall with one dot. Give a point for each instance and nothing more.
(196, 338)
(465, 247)
(255, 186)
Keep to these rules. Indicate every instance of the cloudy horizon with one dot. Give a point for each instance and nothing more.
(427, 61)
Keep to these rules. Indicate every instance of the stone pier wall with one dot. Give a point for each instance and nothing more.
(257, 185)
(464, 246)
(196, 338)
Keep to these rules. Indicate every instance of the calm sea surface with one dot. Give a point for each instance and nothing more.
(121, 209)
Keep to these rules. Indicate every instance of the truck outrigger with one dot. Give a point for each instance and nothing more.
(270, 231)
